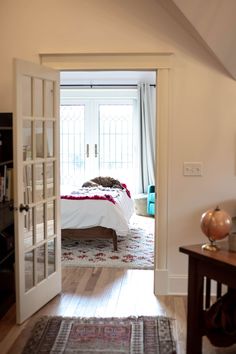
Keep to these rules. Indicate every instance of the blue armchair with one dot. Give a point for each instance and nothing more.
(151, 200)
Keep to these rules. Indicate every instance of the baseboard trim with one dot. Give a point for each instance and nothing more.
(178, 285)
(165, 284)
(161, 282)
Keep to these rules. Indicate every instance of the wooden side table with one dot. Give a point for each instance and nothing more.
(203, 267)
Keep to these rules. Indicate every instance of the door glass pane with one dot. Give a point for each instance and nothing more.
(116, 141)
(27, 180)
(29, 270)
(50, 179)
(39, 139)
(28, 229)
(27, 139)
(51, 257)
(27, 101)
(40, 222)
(48, 99)
(38, 97)
(40, 269)
(72, 141)
(39, 182)
(49, 138)
(51, 216)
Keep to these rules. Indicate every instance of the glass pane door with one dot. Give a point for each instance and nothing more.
(36, 127)
(97, 135)
(73, 148)
(116, 141)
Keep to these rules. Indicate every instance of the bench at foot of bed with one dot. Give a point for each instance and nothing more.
(91, 233)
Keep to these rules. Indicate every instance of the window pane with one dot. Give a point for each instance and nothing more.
(51, 257)
(39, 139)
(28, 228)
(116, 141)
(39, 182)
(40, 269)
(27, 139)
(50, 126)
(50, 181)
(40, 222)
(27, 181)
(29, 270)
(72, 145)
(51, 218)
(38, 97)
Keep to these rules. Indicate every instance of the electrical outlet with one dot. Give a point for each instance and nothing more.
(192, 169)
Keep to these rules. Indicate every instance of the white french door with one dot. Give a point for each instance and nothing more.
(97, 137)
(36, 187)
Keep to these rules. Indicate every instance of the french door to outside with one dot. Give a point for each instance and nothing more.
(36, 187)
(97, 138)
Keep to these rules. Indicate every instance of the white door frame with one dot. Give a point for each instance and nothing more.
(161, 63)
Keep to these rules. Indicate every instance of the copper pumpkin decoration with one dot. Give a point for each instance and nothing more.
(216, 225)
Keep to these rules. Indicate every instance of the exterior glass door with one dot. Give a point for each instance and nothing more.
(97, 136)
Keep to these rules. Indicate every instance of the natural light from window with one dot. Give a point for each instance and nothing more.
(97, 136)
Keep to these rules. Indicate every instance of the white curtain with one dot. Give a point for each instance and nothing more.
(146, 128)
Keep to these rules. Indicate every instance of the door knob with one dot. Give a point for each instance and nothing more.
(23, 207)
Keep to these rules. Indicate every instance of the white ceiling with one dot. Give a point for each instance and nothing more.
(107, 77)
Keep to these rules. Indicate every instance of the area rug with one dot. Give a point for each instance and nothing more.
(136, 335)
(136, 250)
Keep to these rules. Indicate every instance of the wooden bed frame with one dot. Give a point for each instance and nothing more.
(91, 233)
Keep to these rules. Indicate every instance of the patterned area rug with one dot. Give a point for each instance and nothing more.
(136, 250)
(141, 335)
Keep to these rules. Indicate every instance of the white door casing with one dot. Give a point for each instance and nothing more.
(162, 63)
(36, 187)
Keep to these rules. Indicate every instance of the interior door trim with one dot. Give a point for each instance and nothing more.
(162, 63)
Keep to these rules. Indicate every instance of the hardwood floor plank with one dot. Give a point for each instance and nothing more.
(101, 294)
(125, 302)
(91, 295)
(180, 322)
(114, 291)
(72, 298)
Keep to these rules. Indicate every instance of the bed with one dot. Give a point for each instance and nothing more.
(96, 212)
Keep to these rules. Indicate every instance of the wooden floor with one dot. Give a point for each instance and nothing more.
(103, 292)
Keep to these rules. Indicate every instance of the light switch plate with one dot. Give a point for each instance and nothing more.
(192, 169)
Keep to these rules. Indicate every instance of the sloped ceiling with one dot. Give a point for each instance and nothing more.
(215, 22)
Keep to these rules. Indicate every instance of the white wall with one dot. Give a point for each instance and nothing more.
(214, 20)
(203, 105)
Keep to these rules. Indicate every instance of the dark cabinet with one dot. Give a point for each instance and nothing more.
(7, 292)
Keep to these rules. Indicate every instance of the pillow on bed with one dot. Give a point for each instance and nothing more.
(104, 182)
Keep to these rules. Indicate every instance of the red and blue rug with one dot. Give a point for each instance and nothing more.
(134, 335)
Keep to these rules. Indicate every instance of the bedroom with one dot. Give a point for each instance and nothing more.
(101, 127)
(202, 94)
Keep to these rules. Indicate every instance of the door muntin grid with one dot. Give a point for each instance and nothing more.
(72, 138)
(105, 144)
(38, 155)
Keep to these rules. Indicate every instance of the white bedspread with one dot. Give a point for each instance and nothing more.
(80, 214)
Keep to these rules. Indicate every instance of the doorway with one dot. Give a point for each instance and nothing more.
(101, 128)
(104, 132)
(155, 62)
(161, 63)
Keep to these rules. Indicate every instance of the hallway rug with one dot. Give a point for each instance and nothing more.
(137, 335)
(135, 251)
